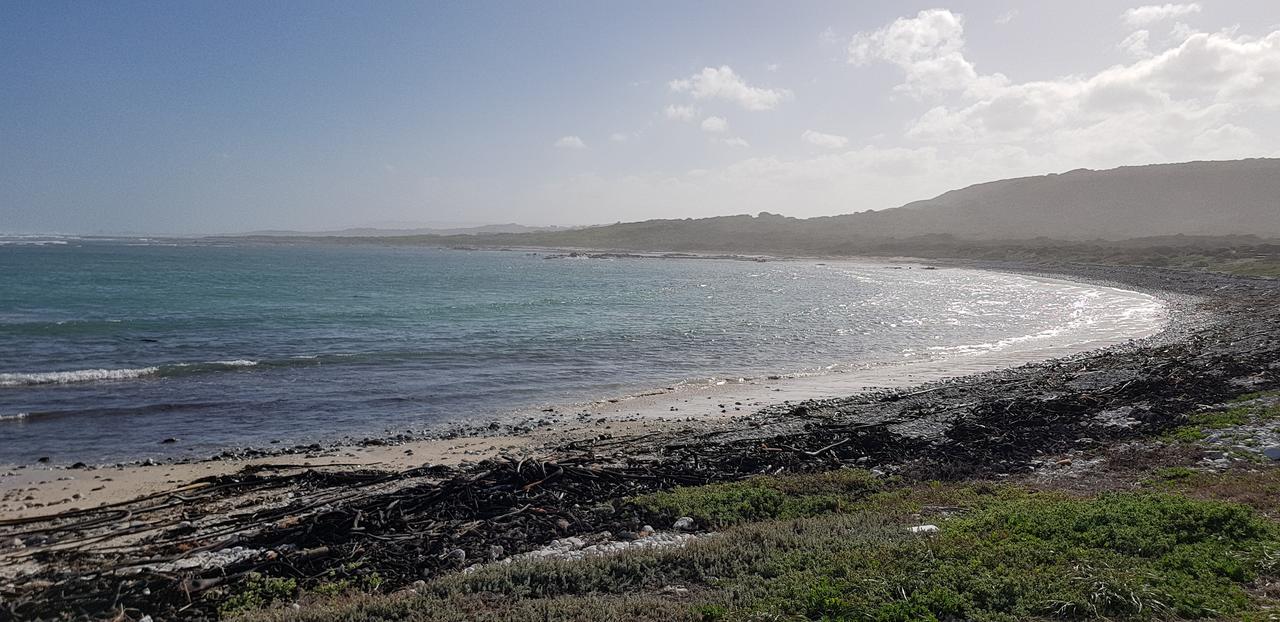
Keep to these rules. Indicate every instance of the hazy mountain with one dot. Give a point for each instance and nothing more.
(363, 232)
(1157, 201)
(1196, 198)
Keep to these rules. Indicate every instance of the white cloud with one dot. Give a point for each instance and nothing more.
(570, 142)
(680, 113)
(1136, 43)
(1006, 17)
(829, 141)
(1154, 109)
(1140, 16)
(772, 67)
(714, 124)
(723, 83)
(1192, 95)
(928, 47)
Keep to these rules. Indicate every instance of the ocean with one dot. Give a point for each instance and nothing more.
(111, 346)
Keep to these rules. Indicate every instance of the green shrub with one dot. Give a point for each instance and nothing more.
(764, 498)
(257, 592)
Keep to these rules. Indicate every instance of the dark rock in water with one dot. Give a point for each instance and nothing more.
(79, 465)
(169, 440)
(43, 459)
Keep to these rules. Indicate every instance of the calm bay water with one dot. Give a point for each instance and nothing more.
(111, 346)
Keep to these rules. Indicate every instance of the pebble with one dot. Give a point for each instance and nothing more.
(684, 523)
(924, 529)
(1272, 452)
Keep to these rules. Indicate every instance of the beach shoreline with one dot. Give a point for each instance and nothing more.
(33, 490)
(298, 520)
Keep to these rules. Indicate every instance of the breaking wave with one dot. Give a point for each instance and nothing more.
(20, 379)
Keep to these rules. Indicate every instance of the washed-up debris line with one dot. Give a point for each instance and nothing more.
(176, 555)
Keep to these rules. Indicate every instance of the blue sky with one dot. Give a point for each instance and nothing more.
(233, 116)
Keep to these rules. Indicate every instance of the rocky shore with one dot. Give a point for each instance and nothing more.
(183, 551)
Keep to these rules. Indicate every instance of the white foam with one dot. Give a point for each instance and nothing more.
(99, 375)
(70, 377)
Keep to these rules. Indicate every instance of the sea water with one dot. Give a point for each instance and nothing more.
(108, 347)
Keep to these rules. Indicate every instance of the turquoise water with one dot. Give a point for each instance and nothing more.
(110, 347)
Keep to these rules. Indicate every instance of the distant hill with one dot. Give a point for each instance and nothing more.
(1235, 198)
(372, 232)
(1196, 198)
(1196, 204)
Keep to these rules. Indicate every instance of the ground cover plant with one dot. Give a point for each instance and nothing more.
(838, 547)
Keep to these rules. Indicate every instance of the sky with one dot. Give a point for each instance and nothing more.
(219, 117)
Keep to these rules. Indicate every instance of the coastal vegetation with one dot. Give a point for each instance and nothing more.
(840, 547)
(1156, 531)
